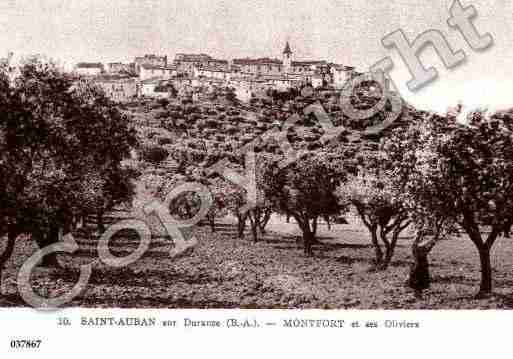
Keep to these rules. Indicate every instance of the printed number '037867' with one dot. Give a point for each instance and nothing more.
(26, 344)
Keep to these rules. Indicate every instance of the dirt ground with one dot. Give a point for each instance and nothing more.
(224, 271)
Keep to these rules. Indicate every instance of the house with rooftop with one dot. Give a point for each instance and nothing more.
(118, 88)
(89, 68)
(10, 66)
(308, 67)
(151, 71)
(114, 68)
(256, 67)
(187, 63)
(340, 74)
(155, 87)
(151, 60)
(284, 66)
(6, 61)
(212, 73)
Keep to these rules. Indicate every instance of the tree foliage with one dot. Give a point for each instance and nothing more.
(462, 173)
(371, 193)
(305, 190)
(55, 135)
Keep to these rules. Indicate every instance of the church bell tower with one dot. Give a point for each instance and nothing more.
(287, 59)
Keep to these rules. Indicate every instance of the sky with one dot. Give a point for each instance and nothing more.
(343, 31)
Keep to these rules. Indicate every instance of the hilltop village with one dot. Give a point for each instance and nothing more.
(195, 75)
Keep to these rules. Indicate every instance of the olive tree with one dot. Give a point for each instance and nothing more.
(53, 132)
(371, 194)
(305, 190)
(461, 172)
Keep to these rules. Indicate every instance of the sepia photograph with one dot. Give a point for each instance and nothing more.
(333, 155)
(260, 171)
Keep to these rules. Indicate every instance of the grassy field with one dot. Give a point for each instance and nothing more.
(226, 272)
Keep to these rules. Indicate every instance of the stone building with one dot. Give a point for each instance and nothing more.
(151, 60)
(117, 88)
(154, 87)
(151, 71)
(261, 66)
(340, 74)
(308, 67)
(212, 73)
(287, 65)
(120, 68)
(187, 63)
(89, 69)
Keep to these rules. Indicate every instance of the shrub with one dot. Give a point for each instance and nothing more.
(155, 106)
(212, 123)
(151, 135)
(313, 145)
(165, 141)
(162, 114)
(195, 117)
(192, 109)
(310, 137)
(220, 138)
(154, 154)
(230, 129)
(238, 119)
(163, 102)
(168, 124)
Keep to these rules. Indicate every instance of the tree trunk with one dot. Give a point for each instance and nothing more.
(328, 223)
(483, 248)
(212, 222)
(314, 226)
(377, 247)
(253, 221)
(7, 253)
(389, 253)
(44, 239)
(80, 222)
(100, 222)
(390, 249)
(386, 243)
(308, 239)
(420, 278)
(69, 226)
(265, 220)
(254, 231)
(241, 224)
(485, 287)
(308, 235)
